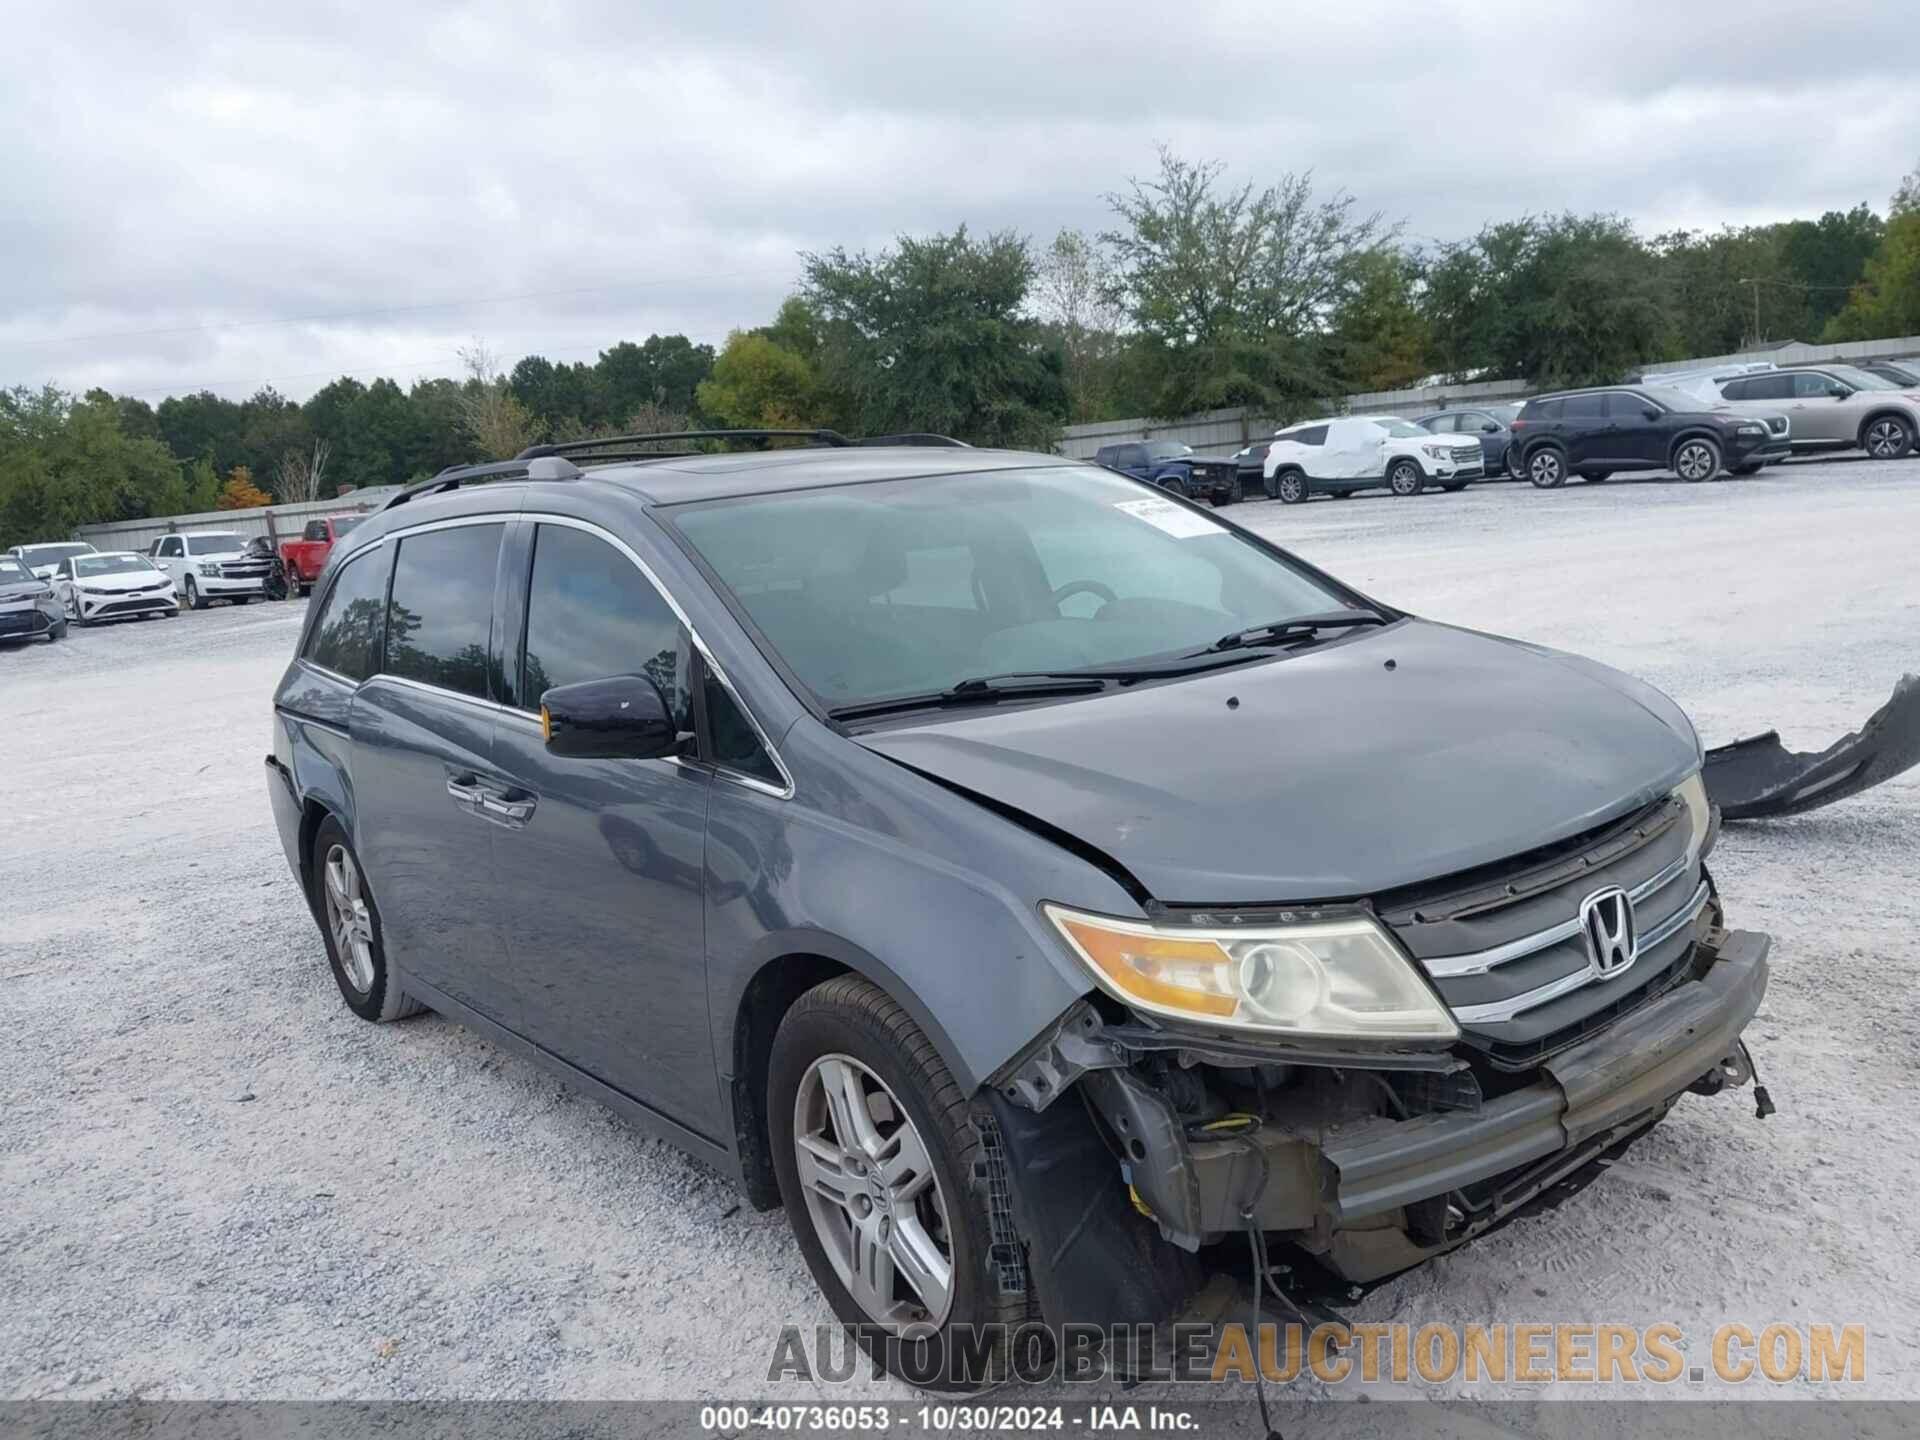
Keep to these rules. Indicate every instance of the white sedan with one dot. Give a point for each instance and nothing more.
(112, 586)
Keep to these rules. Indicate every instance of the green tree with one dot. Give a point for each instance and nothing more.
(65, 463)
(1229, 289)
(758, 383)
(1377, 336)
(934, 335)
(1886, 302)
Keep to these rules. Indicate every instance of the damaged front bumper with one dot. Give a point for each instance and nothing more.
(1759, 778)
(1366, 1194)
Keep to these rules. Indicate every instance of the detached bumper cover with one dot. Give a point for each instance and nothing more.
(1758, 777)
(1626, 1072)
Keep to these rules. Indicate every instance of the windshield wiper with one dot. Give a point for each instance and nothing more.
(979, 690)
(1300, 627)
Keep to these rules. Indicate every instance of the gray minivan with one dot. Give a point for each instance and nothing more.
(1042, 887)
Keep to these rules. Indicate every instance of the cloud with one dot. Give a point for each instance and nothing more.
(231, 195)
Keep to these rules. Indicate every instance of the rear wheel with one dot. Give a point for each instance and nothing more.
(1697, 459)
(350, 926)
(241, 599)
(880, 1168)
(1405, 478)
(1290, 487)
(1547, 468)
(1887, 437)
(1594, 477)
(1455, 488)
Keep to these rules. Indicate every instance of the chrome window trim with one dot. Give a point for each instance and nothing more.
(1478, 962)
(1498, 1010)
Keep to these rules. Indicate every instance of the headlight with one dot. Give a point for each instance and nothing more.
(46, 594)
(91, 590)
(1342, 978)
(1750, 429)
(1438, 452)
(210, 567)
(1693, 790)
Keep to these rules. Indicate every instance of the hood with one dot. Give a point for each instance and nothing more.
(19, 592)
(127, 580)
(1334, 775)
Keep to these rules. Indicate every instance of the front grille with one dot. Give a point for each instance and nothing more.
(1505, 946)
(22, 622)
(121, 607)
(242, 569)
(1466, 455)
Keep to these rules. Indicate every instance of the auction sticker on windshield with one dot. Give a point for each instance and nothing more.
(1176, 520)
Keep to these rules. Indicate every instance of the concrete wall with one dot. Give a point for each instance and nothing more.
(1228, 430)
(283, 521)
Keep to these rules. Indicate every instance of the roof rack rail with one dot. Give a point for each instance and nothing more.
(520, 468)
(916, 437)
(628, 446)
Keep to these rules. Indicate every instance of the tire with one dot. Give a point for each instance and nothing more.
(362, 973)
(173, 614)
(195, 600)
(1752, 467)
(1176, 486)
(57, 631)
(1886, 437)
(1231, 495)
(846, 1036)
(1595, 477)
(1290, 487)
(1547, 468)
(1696, 458)
(1405, 478)
(1455, 488)
(306, 589)
(1342, 494)
(241, 599)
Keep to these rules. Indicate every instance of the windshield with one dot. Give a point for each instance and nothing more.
(907, 587)
(1681, 400)
(12, 572)
(221, 544)
(109, 565)
(1404, 430)
(51, 554)
(1167, 450)
(1859, 379)
(1505, 414)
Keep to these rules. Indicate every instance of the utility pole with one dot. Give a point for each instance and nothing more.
(1755, 283)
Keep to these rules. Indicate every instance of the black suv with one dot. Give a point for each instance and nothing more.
(1593, 433)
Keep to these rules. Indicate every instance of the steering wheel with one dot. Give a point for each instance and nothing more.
(1083, 587)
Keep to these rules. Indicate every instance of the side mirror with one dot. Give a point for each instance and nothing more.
(1490, 428)
(1651, 413)
(1841, 392)
(623, 717)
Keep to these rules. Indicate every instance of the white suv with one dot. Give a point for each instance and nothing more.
(211, 565)
(1367, 452)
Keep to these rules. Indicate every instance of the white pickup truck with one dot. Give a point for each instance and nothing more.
(211, 565)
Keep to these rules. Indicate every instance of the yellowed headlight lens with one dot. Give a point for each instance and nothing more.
(1177, 974)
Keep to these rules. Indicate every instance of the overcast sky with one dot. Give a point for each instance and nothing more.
(223, 195)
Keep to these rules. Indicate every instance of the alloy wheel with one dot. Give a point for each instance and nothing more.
(872, 1194)
(1695, 461)
(1545, 470)
(1290, 489)
(1406, 479)
(1886, 438)
(348, 919)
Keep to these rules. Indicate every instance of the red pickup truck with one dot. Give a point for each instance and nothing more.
(306, 557)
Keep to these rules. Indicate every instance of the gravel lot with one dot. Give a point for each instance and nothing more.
(215, 1182)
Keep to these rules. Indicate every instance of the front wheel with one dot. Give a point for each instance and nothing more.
(1455, 488)
(1547, 468)
(1404, 478)
(195, 601)
(1752, 467)
(1290, 488)
(1176, 486)
(1696, 460)
(1594, 477)
(57, 630)
(881, 1170)
(241, 599)
(1888, 437)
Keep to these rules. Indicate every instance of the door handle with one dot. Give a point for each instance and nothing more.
(466, 792)
(509, 810)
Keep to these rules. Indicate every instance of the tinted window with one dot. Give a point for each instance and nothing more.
(1311, 435)
(441, 617)
(1133, 455)
(316, 530)
(735, 744)
(1544, 409)
(1583, 407)
(1441, 424)
(12, 572)
(170, 545)
(591, 614)
(1622, 405)
(223, 543)
(340, 527)
(346, 637)
(1769, 387)
(1808, 385)
(1107, 455)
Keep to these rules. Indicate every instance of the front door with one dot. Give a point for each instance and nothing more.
(606, 869)
(1633, 435)
(423, 742)
(1819, 414)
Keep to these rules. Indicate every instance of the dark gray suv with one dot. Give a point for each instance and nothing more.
(1027, 878)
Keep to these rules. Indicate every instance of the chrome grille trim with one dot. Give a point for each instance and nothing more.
(1478, 962)
(1499, 1010)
